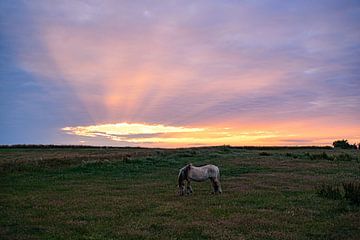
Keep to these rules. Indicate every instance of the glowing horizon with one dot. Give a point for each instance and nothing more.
(180, 73)
(154, 134)
(180, 136)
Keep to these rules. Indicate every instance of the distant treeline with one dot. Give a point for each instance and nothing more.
(265, 147)
(281, 147)
(57, 146)
(208, 147)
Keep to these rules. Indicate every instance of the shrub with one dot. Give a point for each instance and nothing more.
(264, 154)
(319, 156)
(344, 157)
(344, 144)
(322, 155)
(225, 148)
(293, 155)
(349, 191)
(352, 192)
(329, 191)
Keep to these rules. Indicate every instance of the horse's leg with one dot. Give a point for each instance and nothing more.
(181, 188)
(214, 185)
(189, 189)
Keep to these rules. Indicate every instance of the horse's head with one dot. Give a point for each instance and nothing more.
(181, 182)
(183, 175)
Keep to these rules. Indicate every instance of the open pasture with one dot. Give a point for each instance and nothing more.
(131, 193)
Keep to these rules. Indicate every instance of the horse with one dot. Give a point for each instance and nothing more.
(198, 174)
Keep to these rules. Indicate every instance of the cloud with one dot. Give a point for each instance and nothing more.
(160, 134)
(127, 131)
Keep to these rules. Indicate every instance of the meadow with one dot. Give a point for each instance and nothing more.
(131, 193)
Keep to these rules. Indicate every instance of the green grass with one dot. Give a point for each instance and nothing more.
(130, 193)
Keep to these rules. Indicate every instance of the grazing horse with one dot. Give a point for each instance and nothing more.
(199, 174)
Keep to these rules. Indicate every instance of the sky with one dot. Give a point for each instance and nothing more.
(179, 73)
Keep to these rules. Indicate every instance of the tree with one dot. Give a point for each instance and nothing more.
(344, 144)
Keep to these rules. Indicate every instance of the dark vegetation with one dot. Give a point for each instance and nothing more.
(325, 156)
(347, 190)
(352, 192)
(344, 144)
(71, 192)
(223, 147)
(264, 154)
(329, 191)
(51, 146)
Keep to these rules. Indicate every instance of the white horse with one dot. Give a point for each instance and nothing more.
(199, 174)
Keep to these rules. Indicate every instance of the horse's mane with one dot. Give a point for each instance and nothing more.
(187, 169)
(201, 165)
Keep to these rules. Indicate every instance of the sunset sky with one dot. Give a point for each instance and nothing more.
(179, 73)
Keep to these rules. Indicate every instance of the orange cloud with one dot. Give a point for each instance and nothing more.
(162, 135)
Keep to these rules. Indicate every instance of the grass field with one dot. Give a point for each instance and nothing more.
(131, 193)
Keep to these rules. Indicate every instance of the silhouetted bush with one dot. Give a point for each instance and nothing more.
(344, 144)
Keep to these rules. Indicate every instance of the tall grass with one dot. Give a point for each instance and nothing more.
(352, 192)
(347, 190)
(329, 191)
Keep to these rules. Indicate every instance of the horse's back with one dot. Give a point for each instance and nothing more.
(208, 171)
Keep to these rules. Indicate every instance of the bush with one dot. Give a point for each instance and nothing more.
(264, 154)
(225, 148)
(293, 155)
(318, 156)
(325, 156)
(329, 191)
(344, 157)
(344, 144)
(352, 192)
(322, 155)
(349, 191)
